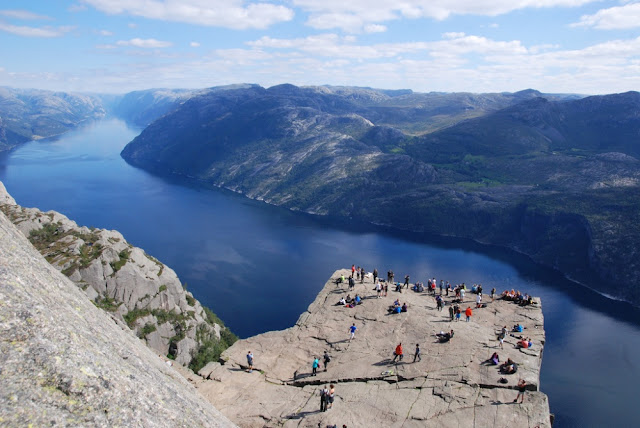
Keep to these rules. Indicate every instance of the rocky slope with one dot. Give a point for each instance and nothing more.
(30, 114)
(450, 386)
(132, 286)
(555, 179)
(65, 363)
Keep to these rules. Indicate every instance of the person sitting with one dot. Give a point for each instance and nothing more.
(517, 328)
(404, 307)
(495, 359)
(396, 302)
(349, 299)
(342, 302)
(358, 299)
(398, 287)
(340, 280)
(509, 367)
(444, 337)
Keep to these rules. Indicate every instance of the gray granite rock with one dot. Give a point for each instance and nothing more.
(120, 278)
(65, 363)
(450, 386)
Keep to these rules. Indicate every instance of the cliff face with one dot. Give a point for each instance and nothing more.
(63, 362)
(450, 385)
(131, 285)
(558, 181)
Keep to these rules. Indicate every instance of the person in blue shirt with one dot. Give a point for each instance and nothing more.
(352, 330)
(314, 366)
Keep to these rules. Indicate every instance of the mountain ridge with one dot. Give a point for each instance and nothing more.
(517, 177)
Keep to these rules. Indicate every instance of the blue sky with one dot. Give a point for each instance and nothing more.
(116, 46)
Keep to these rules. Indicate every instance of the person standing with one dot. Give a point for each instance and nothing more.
(353, 270)
(522, 387)
(250, 361)
(352, 330)
(325, 360)
(417, 354)
(361, 275)
(352, 283)
(406, 281)
(332, 395)
(375, 275)
(398, 353)
(451, 312)
(441, 286)
(314, 366)
(478, 300)
(493, 293)
(324, 395)
(378, 289)
(468, 313)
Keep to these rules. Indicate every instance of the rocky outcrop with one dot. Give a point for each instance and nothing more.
(65, 363)
(452, 385)
(134, 287)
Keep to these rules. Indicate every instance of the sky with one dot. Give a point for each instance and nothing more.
(117, 46)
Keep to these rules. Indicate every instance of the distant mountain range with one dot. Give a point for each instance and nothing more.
(30, 114)
(552, 176)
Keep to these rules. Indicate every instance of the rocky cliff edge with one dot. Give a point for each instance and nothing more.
(63, 362)
(451, 386)
(136, 288)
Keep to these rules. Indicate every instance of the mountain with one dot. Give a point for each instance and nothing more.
(140, 108)
(134, 288)
(67, 363)
(554, 177)
(31, 114)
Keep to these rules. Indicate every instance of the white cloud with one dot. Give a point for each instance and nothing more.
(105, 33)
(374, 28)
(194, 44)
(144, 43)
(221, 13)
(22, 14)
(132, 25)
(354, 15)
(77, 8)
(46, 32)
(622, 17)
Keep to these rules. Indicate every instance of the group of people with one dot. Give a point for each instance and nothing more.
(517, 297)
(349, 301)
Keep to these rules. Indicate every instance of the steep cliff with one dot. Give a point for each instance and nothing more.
(556, 180)
(65, 363)
(123, 280)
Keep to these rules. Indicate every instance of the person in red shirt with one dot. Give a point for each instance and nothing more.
(468, 313)
(398, 353)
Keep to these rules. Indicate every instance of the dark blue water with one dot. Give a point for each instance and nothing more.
(258, 267)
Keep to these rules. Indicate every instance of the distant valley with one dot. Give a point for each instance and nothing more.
(549, 175)
(554, 177)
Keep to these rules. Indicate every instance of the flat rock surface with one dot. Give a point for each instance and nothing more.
(450, 386)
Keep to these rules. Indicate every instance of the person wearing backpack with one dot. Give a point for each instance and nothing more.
(325, 360)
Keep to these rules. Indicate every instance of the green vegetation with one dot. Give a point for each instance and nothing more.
(190, 300)
(107, 303)
(132, 316)
(162, 288)
(210, 348)
(117, 265)
(146, 330)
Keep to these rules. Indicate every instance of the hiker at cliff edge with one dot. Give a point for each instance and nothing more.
(468, 313)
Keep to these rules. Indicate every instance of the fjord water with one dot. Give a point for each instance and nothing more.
(258, 267)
